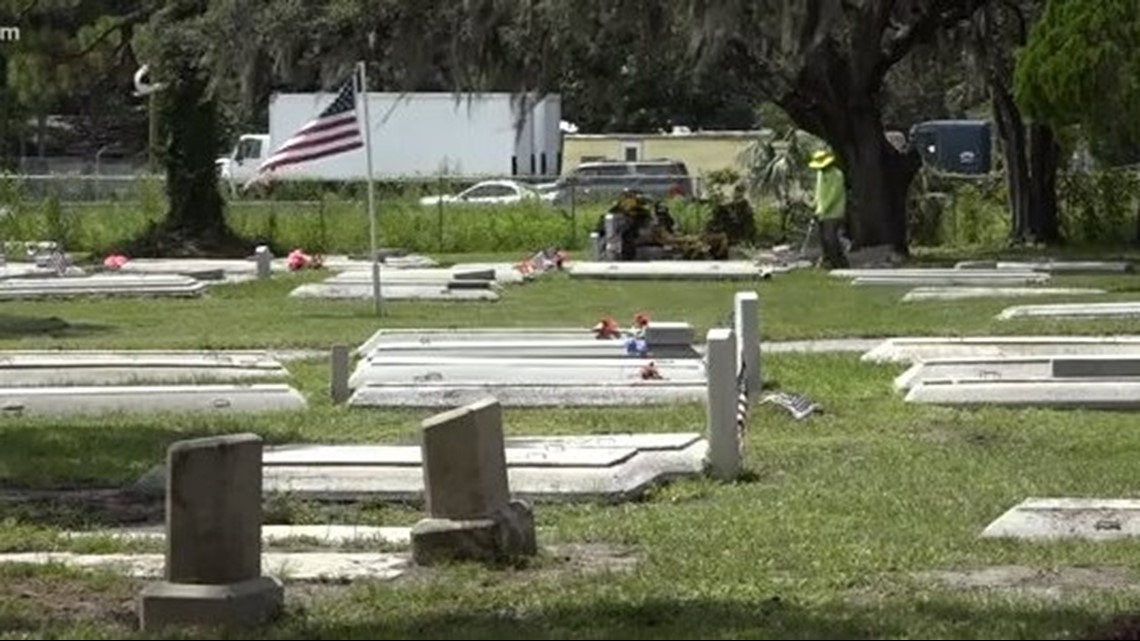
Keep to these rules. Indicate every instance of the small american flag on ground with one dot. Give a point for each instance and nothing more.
(336, 130)
(58, 261)
(797, 404)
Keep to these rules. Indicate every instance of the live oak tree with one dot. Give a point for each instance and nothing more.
(67, 44)
(822, 61)
(70, 57)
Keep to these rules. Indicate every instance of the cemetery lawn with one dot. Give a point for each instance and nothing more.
(851, 524)
(260, 315)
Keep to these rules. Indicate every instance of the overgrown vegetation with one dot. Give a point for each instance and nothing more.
(1098, 208)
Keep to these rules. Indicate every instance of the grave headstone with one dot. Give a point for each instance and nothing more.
(747, 329)
(613, 240)
(213, 539)
(264, 259)
(338, 377)
(466, 491)
(725, 460)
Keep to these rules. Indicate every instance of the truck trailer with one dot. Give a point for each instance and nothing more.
(416, 136)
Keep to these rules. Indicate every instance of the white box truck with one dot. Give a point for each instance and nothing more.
(417, 135)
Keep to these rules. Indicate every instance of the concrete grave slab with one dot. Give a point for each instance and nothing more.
(277, 534)
(962, 278)
(424, 395)
(624, 481)
(1073, 310)
(668, 270)
(913, 349)
(1052, 519)
(1056, 267)
(65, 401)
(963, 293)
(286, 566)
(26, 270)
(902, 272)
(585, 373)
(410, 455)
(1050, 393)
(401, 276)
(657, 333)
(974, 369)
(393, 292)
(101, 285)
(410, 261)
(523, 347)
(47, 368)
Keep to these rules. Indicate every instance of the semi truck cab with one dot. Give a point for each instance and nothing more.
(242, 162)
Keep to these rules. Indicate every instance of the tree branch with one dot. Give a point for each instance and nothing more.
(125, 22)
(937, 14)
(1019, 17)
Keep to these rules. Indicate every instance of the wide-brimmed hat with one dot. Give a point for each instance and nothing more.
(821, 159)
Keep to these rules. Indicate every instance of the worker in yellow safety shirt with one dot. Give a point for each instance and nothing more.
(830, 207)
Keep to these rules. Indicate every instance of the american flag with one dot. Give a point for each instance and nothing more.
(336, 130)
(798, 405)
(742, 403)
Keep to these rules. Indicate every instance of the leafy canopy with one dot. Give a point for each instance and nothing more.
(1081, 66)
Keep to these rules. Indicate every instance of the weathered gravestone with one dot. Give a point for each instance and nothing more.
(471, 514)
(213, 539)
(339, 374)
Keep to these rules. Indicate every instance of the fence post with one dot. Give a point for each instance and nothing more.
(439, 217)
(725, 460)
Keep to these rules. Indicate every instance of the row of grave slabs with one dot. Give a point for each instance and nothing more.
(437, 370)
(1054, 372)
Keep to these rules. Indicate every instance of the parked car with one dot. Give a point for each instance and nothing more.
(604, 180)
(489, 192)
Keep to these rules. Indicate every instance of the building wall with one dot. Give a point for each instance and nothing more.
(701, 152)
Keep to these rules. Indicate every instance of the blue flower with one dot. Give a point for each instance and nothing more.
(636, 347)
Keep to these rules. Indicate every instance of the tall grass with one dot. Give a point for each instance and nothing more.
(329, 225)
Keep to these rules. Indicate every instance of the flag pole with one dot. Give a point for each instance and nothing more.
(375, 257)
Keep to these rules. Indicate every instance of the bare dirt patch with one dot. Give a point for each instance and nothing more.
(1050, 582)
(75, 508)
(32, 600)
(556, 562)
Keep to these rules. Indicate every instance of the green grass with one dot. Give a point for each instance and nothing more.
(798, 305)
(824, 539)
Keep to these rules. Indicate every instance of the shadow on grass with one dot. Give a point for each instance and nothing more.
(13, 326)
(772, 618)
(69, 475)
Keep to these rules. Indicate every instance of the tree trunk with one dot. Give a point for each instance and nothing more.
(41, 138)
(1011, 130)
(878, 178)
(1044, 155)
(196, 211)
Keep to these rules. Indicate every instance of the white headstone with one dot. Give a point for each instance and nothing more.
(338, 374)
(612, 240)
(264, 262)
(725, 459)
(746, 312)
